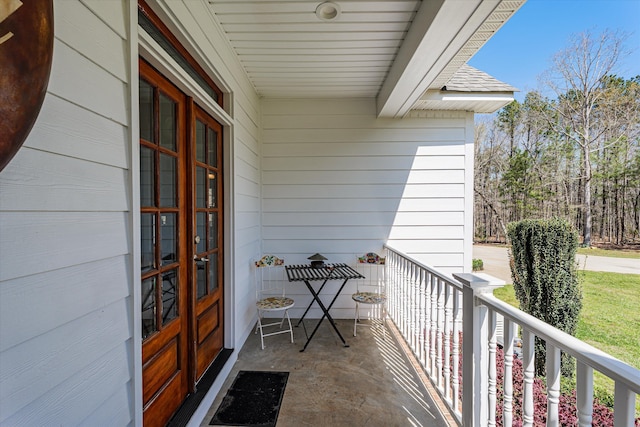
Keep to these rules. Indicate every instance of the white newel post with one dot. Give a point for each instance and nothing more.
(475, 348)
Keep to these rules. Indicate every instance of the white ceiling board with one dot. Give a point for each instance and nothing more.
(390, 49)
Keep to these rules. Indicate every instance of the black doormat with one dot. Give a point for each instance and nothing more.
(253, 399)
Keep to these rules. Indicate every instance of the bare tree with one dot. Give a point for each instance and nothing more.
(577, 77)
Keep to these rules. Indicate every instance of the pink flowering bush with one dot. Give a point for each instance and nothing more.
(567, 412)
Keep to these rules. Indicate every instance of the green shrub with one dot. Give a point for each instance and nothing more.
(545, 280)
(477, 264)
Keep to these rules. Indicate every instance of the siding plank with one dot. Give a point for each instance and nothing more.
(35, 242)
(417, 148)
(65, 128)
(62, 184)
(92, 285)
(78, 80)
(111, 14)
(336, 177)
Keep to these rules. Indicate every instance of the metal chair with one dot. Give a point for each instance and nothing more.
(271, 295)
(370, 291)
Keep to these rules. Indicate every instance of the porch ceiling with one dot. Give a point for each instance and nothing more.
(394, 50)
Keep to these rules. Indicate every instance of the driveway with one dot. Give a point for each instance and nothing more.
(496, 262)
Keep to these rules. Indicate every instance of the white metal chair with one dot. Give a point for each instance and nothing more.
(271, 295)
(370, 291)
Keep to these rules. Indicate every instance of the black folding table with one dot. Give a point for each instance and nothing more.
(307, 274)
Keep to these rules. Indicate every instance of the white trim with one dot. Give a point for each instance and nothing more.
(467, 96)
(151, 51)
(134, 212)
(468, 191)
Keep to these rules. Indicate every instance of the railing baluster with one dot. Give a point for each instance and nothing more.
(440, 331)
(528, 353)
(421, 324)
(455, 378)
(553, 384)
(584, 394)
(427, 323)
(433, 328)
(492, 368)
(447, 341)
(415, 317)
(623, 406)
(507, 410)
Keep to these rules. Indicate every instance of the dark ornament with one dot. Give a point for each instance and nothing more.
(26, 54)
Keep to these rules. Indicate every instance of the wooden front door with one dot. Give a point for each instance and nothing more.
(206, 208)
(181, 244)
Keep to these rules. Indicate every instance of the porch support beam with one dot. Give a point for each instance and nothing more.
(439, 31)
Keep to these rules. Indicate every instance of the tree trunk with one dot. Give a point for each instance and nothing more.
(587, 195)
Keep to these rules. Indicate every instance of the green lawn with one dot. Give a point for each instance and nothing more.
(609, 253)
(610, 318)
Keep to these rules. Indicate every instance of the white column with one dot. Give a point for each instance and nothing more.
(475, 383)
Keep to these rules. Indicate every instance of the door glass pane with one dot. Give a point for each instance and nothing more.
(168, 238)
(213, 273)
(201, 231)
(201, 179)
(149, 307)
(200, 141)
(212, 148)
(201, 279)
(147, 177)
(167, 123)
(169, 298)
(147, 242)
(168, 174)
(213, 230)
(212, 193)
(146, 111)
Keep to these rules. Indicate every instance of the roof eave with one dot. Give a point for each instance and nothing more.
(442, 38)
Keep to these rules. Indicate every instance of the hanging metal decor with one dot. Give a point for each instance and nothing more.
(26, 53)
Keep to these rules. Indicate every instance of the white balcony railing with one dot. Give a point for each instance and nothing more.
(431, 310)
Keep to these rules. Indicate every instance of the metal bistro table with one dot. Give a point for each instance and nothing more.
(308, 274)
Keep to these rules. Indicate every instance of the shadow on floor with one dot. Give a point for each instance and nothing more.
(370, 383)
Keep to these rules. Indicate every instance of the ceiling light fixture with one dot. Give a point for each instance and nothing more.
(328, 11)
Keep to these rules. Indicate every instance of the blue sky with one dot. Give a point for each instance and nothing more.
(525, 45)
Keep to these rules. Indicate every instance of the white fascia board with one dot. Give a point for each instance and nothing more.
(439, 30)
(467, 97)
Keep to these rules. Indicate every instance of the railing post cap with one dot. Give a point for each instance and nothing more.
(479, 281)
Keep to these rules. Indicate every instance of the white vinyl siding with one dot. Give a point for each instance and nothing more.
(338, 181)
(65, 271)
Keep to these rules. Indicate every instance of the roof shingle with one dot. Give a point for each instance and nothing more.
(469, 79)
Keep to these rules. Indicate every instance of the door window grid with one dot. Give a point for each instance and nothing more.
(158, 204)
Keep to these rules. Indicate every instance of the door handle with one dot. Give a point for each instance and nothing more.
(196, 259)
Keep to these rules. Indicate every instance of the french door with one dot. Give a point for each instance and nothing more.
(206, 208)
(181, 244)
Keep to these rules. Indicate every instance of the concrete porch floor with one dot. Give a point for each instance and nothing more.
(370, 383)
